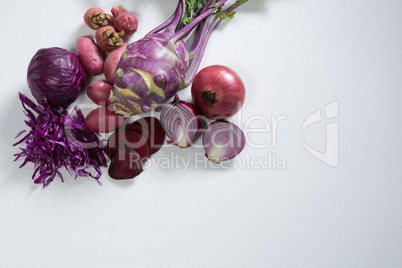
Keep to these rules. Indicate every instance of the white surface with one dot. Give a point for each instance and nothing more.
(295, 57)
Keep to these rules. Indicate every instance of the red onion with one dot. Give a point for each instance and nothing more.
(181, 121)
(222, 140)
(218, 92)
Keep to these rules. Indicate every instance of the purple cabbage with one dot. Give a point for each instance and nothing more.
(56, 139)
(55, 77)
(152, 69)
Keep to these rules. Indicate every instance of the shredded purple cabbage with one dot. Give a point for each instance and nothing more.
(57, 138)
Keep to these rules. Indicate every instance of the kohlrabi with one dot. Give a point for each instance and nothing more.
(154, 68)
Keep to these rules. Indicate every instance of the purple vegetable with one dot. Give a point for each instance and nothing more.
(56, 139)
(181, 122)
(151, 128)
(55, 77)
(154, 68)
(222, 140)
(130, 146)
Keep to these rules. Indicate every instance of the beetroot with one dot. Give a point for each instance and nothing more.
(131, 145)
(124, 21)
(108, 39)
(155, 130)
(127, 140)
(124, 165)
(128, 151)
(143, 131)
(95, 18)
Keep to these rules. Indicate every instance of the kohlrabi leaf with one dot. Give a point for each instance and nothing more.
(192, 8)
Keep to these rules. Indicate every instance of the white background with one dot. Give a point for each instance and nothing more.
(295, 57)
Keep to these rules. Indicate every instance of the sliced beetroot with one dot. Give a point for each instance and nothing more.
(124, 165)
(157, 134)
(143, 130)
(131, 145)
(135, 141)
(128, 140)
(128, 151)
(112, 144)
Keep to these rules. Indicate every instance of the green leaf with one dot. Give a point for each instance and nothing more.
(201, 4)
(192, 7)
(229, 15)
(218, 12)
(187, 20)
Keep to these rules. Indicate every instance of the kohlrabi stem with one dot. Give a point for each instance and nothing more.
(197, 20)
(198, 34)
(207, 4)
(199, 38)
(167, 22)
(178, 17)
(200, 48)
(232, 7)
(186, 38)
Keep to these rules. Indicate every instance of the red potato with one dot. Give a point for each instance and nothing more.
(89, 55)
(111, 61)
(99, 92)
(104, 120)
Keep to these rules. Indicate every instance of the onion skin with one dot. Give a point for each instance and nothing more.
(218, 92)
(222, 141)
